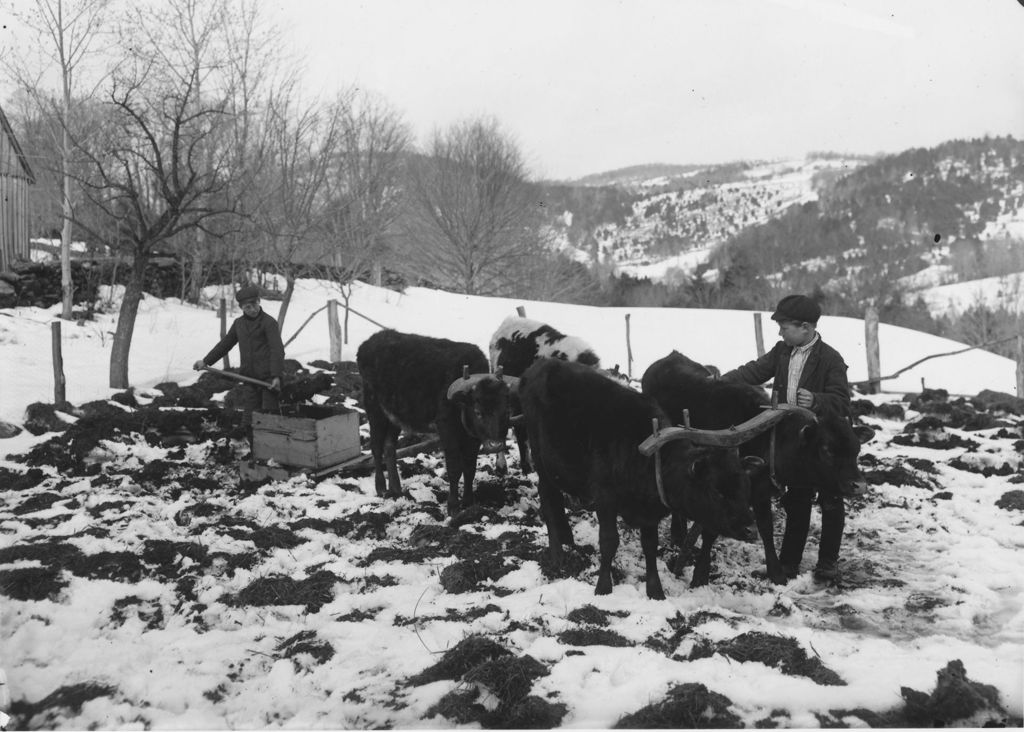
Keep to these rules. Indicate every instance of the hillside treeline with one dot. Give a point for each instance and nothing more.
(887, 220)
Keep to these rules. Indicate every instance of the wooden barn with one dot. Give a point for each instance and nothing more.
(15, 178)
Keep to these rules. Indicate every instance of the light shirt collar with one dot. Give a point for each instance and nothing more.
(807, 346)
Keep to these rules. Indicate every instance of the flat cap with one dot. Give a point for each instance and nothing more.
(797, 307)
(247, 292)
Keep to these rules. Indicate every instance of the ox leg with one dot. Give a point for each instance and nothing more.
(766, 529)
(608, 538)
(552, 509)
(649, 542)
(470, 452)
(524, 448)
(702, 567)
(380, 427)
(678, 529)
(797, 503)
(549, 514)
(391, 460)
(453, 465)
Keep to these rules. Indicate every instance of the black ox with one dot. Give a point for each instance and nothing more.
(585, 430)
(416, 383)
(809, 450)
(516, 344)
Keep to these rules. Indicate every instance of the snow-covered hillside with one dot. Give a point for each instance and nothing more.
(696, 209)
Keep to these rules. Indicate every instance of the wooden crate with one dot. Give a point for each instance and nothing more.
(306, 436)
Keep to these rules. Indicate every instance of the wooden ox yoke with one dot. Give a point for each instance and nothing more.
(730, 437)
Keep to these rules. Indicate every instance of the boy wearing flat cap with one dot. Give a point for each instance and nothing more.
(260, 351)
(809, 373)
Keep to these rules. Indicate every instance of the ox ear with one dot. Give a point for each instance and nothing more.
(752, 464)
(863, 432)
(698, 467)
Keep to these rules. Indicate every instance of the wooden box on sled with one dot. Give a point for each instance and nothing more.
(306, 436)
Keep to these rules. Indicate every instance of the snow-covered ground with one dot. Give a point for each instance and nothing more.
(932, 565)
(1005, 291)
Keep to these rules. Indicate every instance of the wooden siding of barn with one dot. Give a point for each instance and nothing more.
(14, 183)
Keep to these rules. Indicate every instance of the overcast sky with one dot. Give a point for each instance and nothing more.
(586, 86)
(591, 85)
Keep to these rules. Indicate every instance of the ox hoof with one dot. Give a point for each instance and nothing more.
(779, 578)
(656, 592)
(700, 579)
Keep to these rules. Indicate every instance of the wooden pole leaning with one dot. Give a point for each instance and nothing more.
(333, 331)
(873, 353)
(59, 380)
(758, 335)
(226, 361)
(629, 351)
(1020, 365)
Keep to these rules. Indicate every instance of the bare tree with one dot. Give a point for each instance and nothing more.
(298, 143)
(254, 74)
(363, 190)
(150, 175)
(68, 31)
(472, 223)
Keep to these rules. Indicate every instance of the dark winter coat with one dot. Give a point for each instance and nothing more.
(824, 375)
(259, 347)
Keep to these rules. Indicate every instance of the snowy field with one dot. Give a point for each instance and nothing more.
(164, 594)
(170, 336)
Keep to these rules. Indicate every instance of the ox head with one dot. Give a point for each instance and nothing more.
(483, 402)
(710, 485)
(821, 452)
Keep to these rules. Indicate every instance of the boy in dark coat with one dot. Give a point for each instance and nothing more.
(260, 351)
(809, 373)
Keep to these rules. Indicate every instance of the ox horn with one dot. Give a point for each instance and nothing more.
(468, 381)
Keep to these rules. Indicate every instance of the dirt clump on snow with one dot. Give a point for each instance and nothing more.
(686, 706)
(465, 655)
(955, 700)
(775, 651)
(58, 706)
(497, 695)
(1011, 501)
(314, 591)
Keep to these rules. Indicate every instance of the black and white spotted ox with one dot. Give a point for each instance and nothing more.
(516, 344)
(416, 383)
(585, 431)
(808, 449)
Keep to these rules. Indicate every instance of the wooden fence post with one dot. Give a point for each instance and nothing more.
(629, 351)
(1020, 365)
(224, 329)
(521, 311)
(59, 382)
(758, 335)
(874, 357)
(333, 330)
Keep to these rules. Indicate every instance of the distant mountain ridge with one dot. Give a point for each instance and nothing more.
(851, 227)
